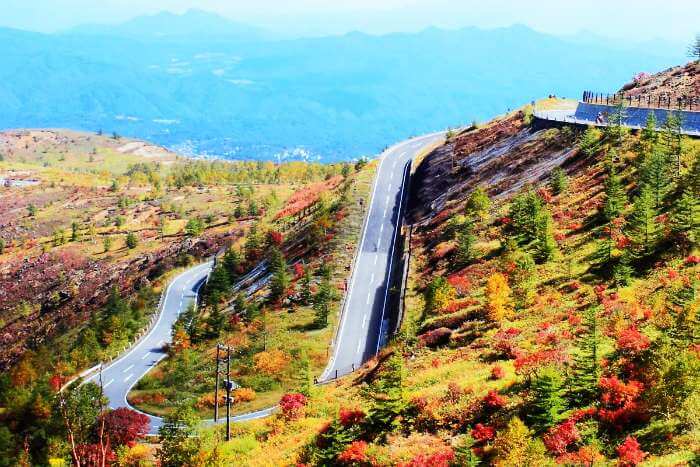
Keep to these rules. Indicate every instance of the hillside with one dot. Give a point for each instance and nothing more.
(676, 82)
(550, 314)
(333, 98)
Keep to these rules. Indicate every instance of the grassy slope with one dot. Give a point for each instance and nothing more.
(562, 288)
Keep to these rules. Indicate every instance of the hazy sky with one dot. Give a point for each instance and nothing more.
(675, 20)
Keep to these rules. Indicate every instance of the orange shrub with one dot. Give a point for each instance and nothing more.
(271, 362)
(244, 395)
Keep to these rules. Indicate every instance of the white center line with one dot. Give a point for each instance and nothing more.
(381, 229)
(364, 322)
(371, 281)
(128, 377)
(144, 357)
(375, 259)
(389, 189)
(108, 383)
(369, 294)
(128, 369)
(359, 343)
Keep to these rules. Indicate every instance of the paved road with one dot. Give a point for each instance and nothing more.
(363, 327)
(121, 375)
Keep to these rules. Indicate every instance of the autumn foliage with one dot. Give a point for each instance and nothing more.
(499, 304)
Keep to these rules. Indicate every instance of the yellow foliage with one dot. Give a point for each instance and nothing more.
(244, 395)
(271, 362)
(137, 455)
(499, 300)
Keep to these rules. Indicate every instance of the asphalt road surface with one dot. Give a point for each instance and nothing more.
(364, 322)
(122, 374)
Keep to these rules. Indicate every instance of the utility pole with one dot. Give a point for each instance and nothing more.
(216, 388)
(229, 386)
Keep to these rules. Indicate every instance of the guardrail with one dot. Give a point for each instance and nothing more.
(659, 101)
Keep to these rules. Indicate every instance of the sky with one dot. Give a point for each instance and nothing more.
(638, 20)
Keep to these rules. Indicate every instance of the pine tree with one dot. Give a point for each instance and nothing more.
(558, 181)
(131, 240)
(622, 272)
(547, 399)
(465, 244)
(616, 130)
(693, 176)
(386, 396)
(641, 224)
(603, 255)
(478, 203)
(305, 283)
(615, 196)
(656, 176)
(280, 274)
(75, 232)
(685, 218)
(671, 138)
(232, 262)
(322, 301)
(584, 379)
(216, 323)
(2, 246)
(217, 285)
(545, 244)
(524, 212)
(590, 142)
(648, 139)
(252, 243)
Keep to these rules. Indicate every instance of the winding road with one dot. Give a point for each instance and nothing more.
(363, 326)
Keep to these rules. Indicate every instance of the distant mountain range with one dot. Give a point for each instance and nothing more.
(201, 84)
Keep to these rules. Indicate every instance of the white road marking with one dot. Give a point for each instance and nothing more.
(144, 357)
(364, 322)
(389, 189)
(108, 383)
(376, 257)
(359, 344)
(371, 281)
(128, 369)
(384, 213)
(392, 176)
(128, 377)
(381, 229)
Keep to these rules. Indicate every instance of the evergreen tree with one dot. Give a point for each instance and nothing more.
(603, 255)
(386, 397)
(685, 218)
(547, 399)
(642, 227)
(558, 181)
(584, 379)
(279, 283)
(75, 232)
(232, 263)
(216, 323)
(615, 196)
(2, 246)
(322, 302)
(179, 444)
(524, 212)
(693, 176)
(305, 283)
(306, 379)
(656, 176)
(694, 49)
(253, 243)
(590, 142)
(465, 244)
(616, 131)
(545, 244)
(648, 139)
(478, 203)
(131, 240)
(671, 138)
(622, 272)
(217, 285)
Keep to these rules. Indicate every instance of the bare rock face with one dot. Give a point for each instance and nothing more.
(676, 82)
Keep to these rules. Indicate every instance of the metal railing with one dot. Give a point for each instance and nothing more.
(659, 101)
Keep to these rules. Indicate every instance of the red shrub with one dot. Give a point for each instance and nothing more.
(560, 437)
(497, 372)
(483, 432)
(494, 401)
(504, 342)
(528, 364)
(620, 400)
(124, 426)
(618, 393)
(354, 453)
(630, 453)
(292, 405)
(443, 458)
(632, 341)
(298, 271)
(460, 283)
(436, 337)
(690, 260)
(350, 417)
